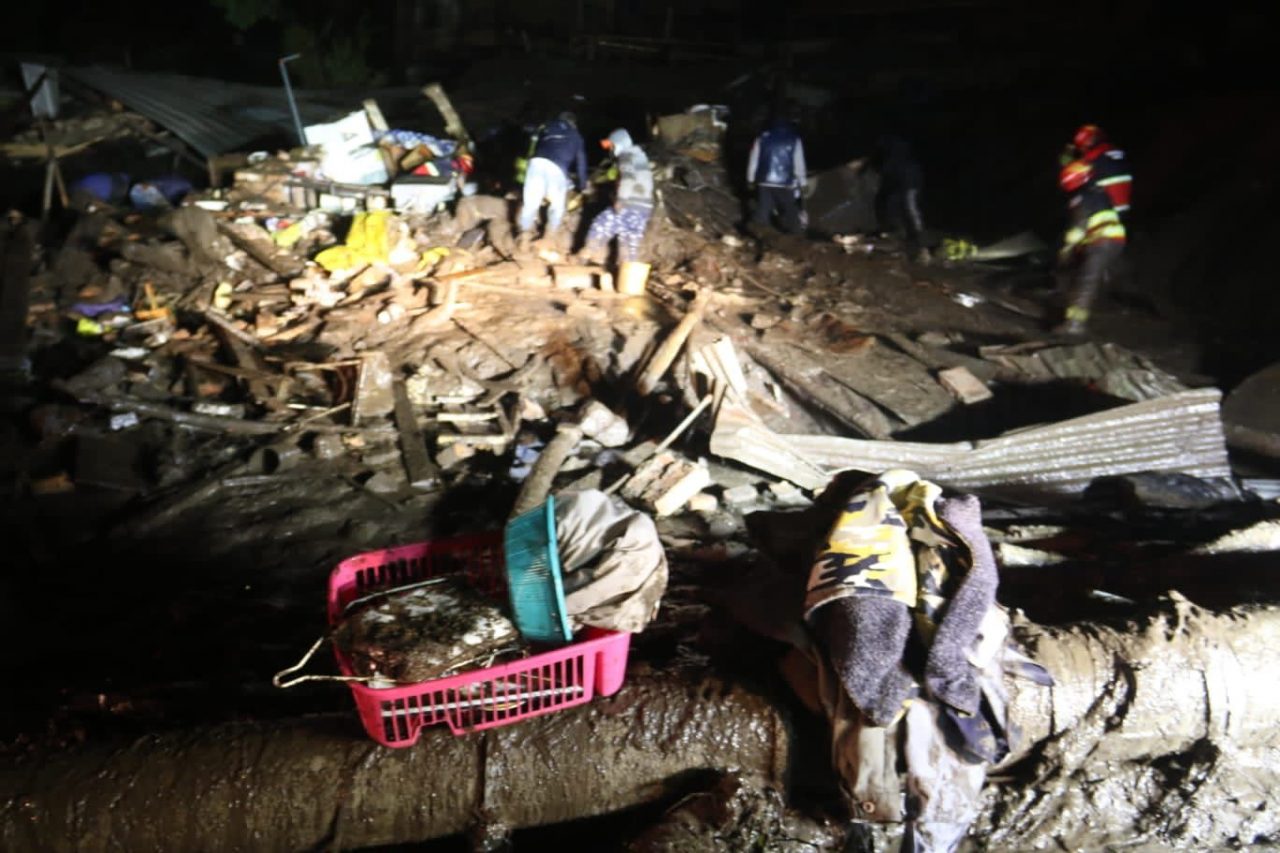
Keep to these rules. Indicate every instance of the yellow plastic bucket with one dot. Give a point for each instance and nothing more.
(632, 277)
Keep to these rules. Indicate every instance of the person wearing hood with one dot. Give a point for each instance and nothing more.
(632, 205)
(557, 151)
(777, 171)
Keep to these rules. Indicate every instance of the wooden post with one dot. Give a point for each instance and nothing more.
(671, 346)
(538, 484)
(421, 471)
(452, 122)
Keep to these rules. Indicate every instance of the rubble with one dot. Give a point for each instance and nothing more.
(324, 319)
(665, 482)
(967, 387)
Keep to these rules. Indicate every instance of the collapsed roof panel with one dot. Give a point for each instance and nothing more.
(212, 116)
(1178, 433)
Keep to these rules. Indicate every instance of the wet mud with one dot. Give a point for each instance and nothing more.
(316, 783)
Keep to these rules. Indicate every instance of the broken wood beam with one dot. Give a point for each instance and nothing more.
(670, 348)
(939, 357)
(824, 393)
(255, 241)
(421, 471)
(374, 396)
(537, 485)
(452, 121)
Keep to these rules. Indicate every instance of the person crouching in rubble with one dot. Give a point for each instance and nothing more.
(632, 205)
(777, 171)
(1092, 245)
(557, 150)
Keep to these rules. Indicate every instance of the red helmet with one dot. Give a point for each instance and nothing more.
(1087, 136)
(1074, 175)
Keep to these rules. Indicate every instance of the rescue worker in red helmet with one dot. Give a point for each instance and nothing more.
(1109, 164)
(1092, 245)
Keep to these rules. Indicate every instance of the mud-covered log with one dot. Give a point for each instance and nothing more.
(1154, 687)
(318, 782)
(1171, 714)
(1159, 734)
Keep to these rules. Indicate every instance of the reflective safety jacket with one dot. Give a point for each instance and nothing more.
(1111, 174)
(1093, 220)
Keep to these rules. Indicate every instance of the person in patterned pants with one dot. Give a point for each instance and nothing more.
(632, 206)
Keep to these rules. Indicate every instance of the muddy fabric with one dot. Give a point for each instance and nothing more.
(424, 632)
(948, 674)
(943, 790)
(870, 634)
(890, 564)
(614, 567)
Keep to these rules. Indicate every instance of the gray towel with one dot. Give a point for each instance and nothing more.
(865, 638)
(949, 676)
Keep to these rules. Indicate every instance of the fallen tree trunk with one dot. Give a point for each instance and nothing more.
(1164, 731)
(312, 783)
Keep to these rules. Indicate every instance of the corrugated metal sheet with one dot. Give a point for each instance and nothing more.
(212, 116)
(1179, 433)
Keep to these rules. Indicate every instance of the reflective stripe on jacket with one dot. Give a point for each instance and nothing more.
(1093, 219)
(1111, 173)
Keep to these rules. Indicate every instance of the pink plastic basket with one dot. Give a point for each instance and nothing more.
(483, 698)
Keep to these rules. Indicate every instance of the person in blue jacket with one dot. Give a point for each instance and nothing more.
(558, 152)
(776, 170)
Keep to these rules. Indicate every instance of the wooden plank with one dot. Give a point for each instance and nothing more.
(967, 388)
(670, 348)
(452, 122)
(258, 244)
(808, 381)
(421, 471)
(894, 381)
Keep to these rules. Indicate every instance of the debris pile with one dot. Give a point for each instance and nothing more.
(327, 318)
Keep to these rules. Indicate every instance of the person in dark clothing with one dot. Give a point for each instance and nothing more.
(1109, 164)
(1093, 244)
(901, 182)
(776, 169)
(558, 152)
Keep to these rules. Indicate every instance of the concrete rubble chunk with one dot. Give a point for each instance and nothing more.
(454, 454)
(601, 424)
(384, 483)
(703, 502)
(666, 482)
(966, 387)
(785, 493)
(740, 496)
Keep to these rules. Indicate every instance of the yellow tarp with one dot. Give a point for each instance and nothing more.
(368, 241)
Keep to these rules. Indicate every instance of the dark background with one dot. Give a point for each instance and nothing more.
(988, 92)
